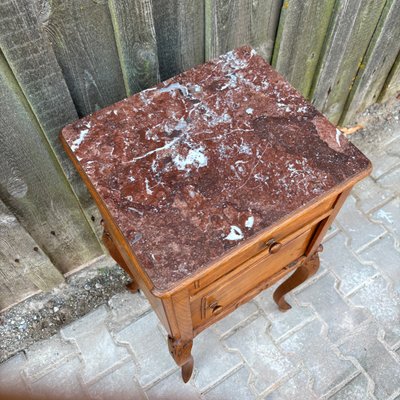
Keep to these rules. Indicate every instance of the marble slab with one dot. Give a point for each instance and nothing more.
(194, 167)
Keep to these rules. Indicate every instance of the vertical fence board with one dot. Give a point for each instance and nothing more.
(34, 64)
(82, 37)
(350, 32)
(179, 29)
(33, 186)
(24, 268)
(376, 65)
(301, 34)
(136, 42)
(391, 88)
(230, 24)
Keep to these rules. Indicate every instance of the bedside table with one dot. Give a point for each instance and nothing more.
(213, 186)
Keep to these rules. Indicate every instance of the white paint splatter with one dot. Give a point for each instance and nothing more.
(385, 215)
(148, 188)
(249, 110)
(338, 133)
(249, 222)
(135, 210)
(194, 157)
(77, 142)
(175, 86)
(235, 233)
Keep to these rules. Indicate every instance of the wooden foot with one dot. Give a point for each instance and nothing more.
(306, 269)
(181, 352)
(116, 255)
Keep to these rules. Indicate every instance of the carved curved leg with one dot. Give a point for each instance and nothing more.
(181, 352)
(116, 255)
(308, 268)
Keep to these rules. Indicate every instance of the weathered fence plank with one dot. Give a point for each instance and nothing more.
(33, 186)
(391, 88)
(179, 29)
(230, 24)
(136, 42)
(350, 32)
(376, 65)
(24, 268)
(34, 64)
(82, 37)
(301, 33)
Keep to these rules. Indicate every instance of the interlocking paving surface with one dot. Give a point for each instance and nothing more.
(341, 339)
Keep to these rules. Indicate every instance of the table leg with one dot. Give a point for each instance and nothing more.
(181, 352)
(116, 255)
(306, 269)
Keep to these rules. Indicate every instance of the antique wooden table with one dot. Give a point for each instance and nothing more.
(214, 185)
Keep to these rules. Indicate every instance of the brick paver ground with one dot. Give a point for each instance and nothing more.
(341, 339)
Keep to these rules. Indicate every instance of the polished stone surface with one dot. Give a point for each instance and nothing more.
(194, 167)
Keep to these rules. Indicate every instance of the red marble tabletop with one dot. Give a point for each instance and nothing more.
(200, 163)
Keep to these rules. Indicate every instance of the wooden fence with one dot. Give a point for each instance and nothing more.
(62, 59)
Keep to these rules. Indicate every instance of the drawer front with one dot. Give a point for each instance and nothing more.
(279, 234)
(214, 299)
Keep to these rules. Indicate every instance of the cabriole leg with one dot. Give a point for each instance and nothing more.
(116, 255)
(181, 352)
(307, 268)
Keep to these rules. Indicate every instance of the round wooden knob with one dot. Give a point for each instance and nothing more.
(215, 307)
(275, 247)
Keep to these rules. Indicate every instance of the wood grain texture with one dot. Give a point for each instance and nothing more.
(391, 88)
(233, 23)
(376, 65)
(32, 60)
(352, 26)
(136, 42)
(179, 28)
(82, 37)
(24, 268)
(302, 29)
(33, 186)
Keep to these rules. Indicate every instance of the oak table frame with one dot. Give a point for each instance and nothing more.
(289, 246)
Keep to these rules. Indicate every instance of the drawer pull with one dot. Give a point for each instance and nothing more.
(274, 247)
(215, 307)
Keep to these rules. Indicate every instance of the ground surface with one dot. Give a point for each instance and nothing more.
(341, 340)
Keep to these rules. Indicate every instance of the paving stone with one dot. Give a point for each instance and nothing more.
(234, 387)
(293, 388)
(383, 305)
(332, 231)
(389, 216)
(47, 355)
(120, 384)
(356, 225)
(172, 387)
(149, 347)
(382, 162)
(212, 360)
(260, 353)
(391, 180)
(309, 346)
(11, 380)
(370, 195)
(385, 255)
(356, 389)
(236, 319)
(345, 264)
(98, 349)
(379, 364)
(125, 308)
(340, 317)
(61, 383)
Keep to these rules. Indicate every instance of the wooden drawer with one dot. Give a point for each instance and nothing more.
(279, 233)
(211, 302)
